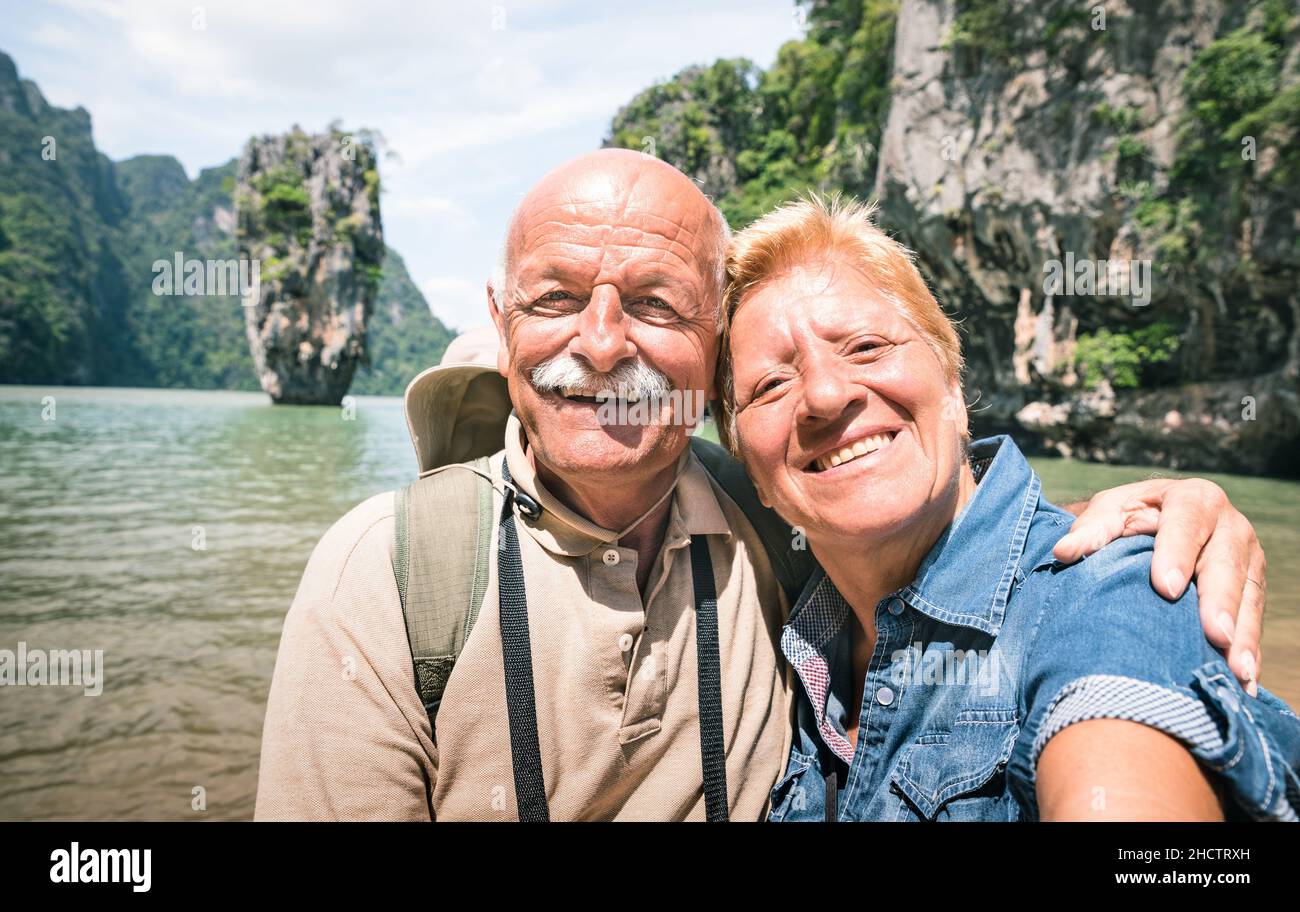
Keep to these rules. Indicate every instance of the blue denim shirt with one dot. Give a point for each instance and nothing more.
(995, 647)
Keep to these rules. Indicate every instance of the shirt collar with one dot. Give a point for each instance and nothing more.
(967, 576)
(561, 530)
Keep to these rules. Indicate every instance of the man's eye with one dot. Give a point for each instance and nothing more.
(556, 296)
(654, 304)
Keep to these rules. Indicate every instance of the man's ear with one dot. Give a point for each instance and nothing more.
(499, 321)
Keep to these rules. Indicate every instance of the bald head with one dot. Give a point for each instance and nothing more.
(623, 199)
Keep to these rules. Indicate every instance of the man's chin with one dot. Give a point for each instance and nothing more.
(618, 453)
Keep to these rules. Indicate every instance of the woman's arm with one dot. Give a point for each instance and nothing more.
(1125, 708)
(1112, 769)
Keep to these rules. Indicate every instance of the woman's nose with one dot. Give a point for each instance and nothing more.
(828, 390)
(602, 331)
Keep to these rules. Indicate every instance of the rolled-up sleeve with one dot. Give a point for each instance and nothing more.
(1107, 646)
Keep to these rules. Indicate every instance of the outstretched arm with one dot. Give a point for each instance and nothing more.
(1200, 536)
(1112, 769)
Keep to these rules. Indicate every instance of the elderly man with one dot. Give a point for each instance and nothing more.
(625, 663)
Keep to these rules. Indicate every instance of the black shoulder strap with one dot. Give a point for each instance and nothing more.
(791, 564)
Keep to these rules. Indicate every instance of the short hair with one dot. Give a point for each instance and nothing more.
(839, 228)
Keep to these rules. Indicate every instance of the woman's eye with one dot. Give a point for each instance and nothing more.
(866, 346)
(768, 385)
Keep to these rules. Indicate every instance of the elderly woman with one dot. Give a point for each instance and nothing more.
(948, 667)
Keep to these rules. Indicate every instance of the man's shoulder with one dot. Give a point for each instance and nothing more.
(358, 543)
(372, 518)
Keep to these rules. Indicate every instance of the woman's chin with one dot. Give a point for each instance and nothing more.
(846, 525)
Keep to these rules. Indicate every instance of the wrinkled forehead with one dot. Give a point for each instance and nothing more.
(600, 217)
(826, 295)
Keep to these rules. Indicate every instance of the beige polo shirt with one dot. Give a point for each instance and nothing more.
(346, 737)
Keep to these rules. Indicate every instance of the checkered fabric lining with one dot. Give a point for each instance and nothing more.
(1118, 697)
(1183, 717)
(818, 621)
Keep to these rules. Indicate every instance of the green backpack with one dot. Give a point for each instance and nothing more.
(441, 556)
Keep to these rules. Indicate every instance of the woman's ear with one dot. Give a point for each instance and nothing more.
(954, 409)
(753, 479)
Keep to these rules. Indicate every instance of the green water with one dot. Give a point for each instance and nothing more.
(100, 512)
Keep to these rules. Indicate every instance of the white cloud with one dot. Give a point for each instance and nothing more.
(426, 205)
(458, 301)
(477, 115)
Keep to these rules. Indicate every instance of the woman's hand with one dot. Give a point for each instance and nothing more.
(1200, 536)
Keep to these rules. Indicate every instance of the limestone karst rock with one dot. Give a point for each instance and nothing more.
(308, 213)
(1047, 133)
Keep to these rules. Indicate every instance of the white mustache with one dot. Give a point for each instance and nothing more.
(630, 380)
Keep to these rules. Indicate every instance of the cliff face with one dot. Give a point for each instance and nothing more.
(308, 211)
(1009, 140)
(402, 337)
(1019, 140)
(62, 289)
(79, 236)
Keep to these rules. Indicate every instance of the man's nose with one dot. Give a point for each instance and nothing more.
(602, 331)
(828, 390)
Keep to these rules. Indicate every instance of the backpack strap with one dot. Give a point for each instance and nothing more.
(442, 541)
(791, 566)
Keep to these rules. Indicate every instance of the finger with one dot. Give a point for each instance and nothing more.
(1244, 658)
(1188, 517)
(1101, 523)
(1140, 519)
(1220, 581)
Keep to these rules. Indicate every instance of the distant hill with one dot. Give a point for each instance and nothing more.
(78, 236)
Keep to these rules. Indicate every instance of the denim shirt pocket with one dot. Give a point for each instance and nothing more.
(960, 774)
(790, 797)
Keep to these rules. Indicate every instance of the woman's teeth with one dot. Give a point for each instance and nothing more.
(863, 447)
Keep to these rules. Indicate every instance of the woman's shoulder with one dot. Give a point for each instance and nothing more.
(1107, 600)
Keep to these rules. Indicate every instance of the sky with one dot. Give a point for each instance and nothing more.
(475, 100)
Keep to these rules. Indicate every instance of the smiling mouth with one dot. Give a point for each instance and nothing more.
(859, 448)
(578, 394)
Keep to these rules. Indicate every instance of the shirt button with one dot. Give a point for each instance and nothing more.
(610, 557)
(895, 607)
(1228, 697)
(884, 696)
(625, 643)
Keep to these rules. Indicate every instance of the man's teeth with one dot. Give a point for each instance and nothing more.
(568, 392)
(861, 447)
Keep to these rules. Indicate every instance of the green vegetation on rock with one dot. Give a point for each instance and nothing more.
(79, 235)
(755, 138)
